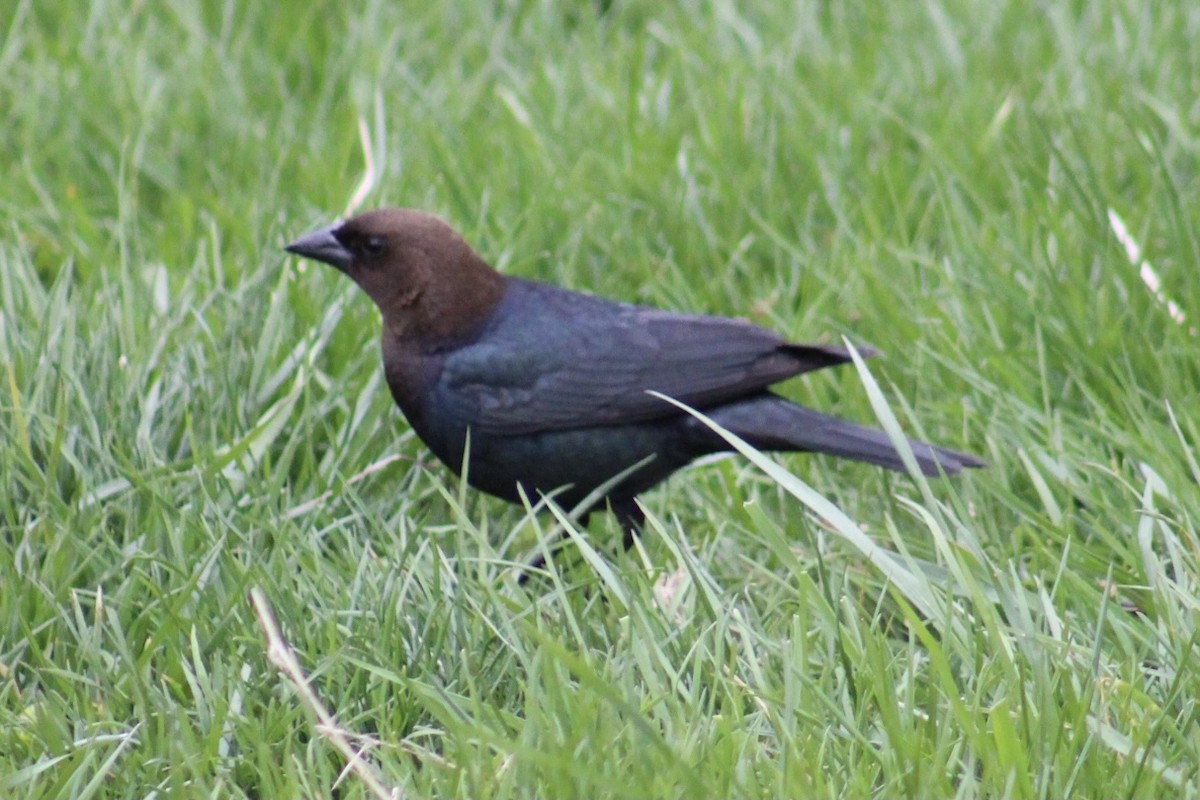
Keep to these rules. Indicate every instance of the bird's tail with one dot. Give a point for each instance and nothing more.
(771, 423)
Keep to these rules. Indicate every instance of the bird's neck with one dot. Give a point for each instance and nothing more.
(448, 308)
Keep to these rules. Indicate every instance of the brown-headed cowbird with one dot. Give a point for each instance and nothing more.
(551, 385)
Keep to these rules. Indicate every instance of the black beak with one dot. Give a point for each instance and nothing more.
(322, 245)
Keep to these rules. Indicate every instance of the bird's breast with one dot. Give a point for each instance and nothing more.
(441, 418)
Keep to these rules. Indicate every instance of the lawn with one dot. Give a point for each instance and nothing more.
(1001, 197)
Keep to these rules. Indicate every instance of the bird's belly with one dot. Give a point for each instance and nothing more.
(571, 464)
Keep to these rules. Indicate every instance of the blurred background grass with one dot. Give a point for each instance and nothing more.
(936, 179)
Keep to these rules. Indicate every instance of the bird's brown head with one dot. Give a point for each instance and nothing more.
(426, 280)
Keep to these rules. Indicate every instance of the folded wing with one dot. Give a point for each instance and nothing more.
(555, 360)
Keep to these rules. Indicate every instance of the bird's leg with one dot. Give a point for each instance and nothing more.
(539, 561)
(627, 512)
(631, 517)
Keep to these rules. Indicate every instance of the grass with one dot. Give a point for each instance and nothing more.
(186, 414)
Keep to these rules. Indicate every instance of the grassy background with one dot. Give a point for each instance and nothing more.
(184, 412)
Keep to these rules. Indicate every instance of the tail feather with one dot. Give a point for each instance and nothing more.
(771, 423)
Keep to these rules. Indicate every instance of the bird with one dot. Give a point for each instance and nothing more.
(539, 390)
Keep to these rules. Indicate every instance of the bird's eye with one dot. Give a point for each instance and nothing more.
(374, 246)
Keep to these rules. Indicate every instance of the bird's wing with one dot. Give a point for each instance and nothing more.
(578, 361)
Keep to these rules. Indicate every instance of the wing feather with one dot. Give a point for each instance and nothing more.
(553, 360)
